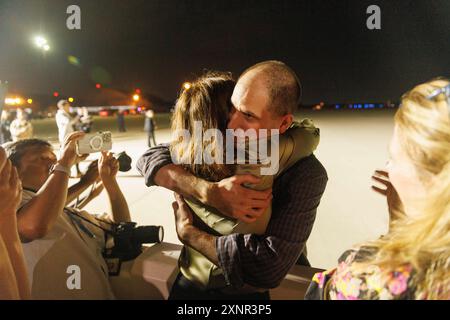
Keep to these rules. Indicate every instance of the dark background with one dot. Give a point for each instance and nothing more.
(157, 45)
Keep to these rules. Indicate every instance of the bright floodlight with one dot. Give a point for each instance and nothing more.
(187, 85)
(136, 97)
(40, 42)
(46, 47)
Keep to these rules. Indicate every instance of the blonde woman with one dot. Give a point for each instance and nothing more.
(413, 260)
(13, 278)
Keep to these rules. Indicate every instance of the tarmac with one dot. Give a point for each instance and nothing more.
(353, 145)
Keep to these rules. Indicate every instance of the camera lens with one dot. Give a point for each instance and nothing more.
(96, 143)
(149, 234)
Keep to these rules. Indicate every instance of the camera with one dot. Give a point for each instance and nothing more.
(96, 142)
(125, 240)
(124, 161)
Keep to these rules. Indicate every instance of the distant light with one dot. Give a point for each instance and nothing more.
(337, 106)
(70, 99)
(55, 94)
(136, 97)
(40, 41)
(46, 47)
(74, 61)
(138, 91)
(98, 85)
(187, 85)
(13, 101)
(30, 101)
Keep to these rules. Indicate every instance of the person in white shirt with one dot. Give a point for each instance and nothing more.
(21, 128)
(64, 120)
(56, 238)
(66, 125)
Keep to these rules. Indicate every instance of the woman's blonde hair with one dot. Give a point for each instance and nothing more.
(207, 100)
(424, 241)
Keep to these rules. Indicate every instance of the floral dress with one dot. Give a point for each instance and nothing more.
(342, 284)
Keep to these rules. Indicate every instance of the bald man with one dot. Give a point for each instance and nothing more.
(265, 97)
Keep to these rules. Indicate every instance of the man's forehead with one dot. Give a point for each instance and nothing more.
(250, 95)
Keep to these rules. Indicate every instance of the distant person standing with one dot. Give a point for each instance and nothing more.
(5, 134)
(121, 121)
(86, 120)
(149, 127)
(66, 124)
(21, 128)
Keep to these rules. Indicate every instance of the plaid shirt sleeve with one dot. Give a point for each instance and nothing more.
(264, 260)
(152, 160)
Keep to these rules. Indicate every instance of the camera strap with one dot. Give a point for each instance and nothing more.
(72, 214)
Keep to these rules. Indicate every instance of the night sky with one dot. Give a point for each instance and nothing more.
(157, 45)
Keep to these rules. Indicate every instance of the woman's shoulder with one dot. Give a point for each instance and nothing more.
(345, 282)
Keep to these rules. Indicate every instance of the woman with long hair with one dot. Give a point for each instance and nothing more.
(413, 260)
(206, 106)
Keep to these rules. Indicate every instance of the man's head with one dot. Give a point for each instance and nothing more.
(33, 159)
(20, 114)
(265, 97)
(64, 105)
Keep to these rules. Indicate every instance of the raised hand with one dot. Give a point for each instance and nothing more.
(69, 155)
(10, 187)
(108, 167)
(395, 205)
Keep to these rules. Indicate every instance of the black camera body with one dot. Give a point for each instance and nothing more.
(124, 161)
(128, 240)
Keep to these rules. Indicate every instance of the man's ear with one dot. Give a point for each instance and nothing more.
(286, 122)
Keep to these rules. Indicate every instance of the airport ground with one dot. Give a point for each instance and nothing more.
(353, 144)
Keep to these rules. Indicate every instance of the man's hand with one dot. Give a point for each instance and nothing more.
(183, 217)
(108, 167)
(191, 236)
(231, 198)
(69, 155)
(395, 205)
(91, 174)
(10, 187)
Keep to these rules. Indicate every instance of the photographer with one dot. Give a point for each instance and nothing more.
(57, 237)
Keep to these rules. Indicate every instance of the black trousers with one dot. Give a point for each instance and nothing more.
(151, 137)
(183, 289)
